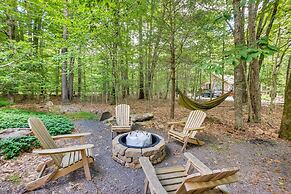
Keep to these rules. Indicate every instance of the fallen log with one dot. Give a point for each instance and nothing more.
(134, 118)
(142, 117)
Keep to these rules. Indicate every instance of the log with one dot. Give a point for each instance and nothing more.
(142, 117)
(134, 118)
(15, 132)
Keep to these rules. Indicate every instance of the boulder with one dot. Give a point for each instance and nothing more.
(14, 132)
(105, 115)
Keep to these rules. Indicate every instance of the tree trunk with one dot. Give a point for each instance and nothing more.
(116, 33)
(173, 58)
(141, 62)
(285, 129)
(65, 97)
(11, 21)
(57, 80)
(79, 76)
(223, 68)
(253, 87)
(238, 70)
(71, 80)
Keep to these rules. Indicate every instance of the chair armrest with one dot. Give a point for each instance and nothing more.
(151, 176)
(196, 129)
(63, 150)
(73, 136)
(196, 163)
(176, 122)
(117, 127)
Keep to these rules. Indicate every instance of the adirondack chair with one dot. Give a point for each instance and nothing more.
(123, 120)
(64, 160)
(176, 179)
(192, 126)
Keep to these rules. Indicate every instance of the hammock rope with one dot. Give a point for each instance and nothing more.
(194, 105)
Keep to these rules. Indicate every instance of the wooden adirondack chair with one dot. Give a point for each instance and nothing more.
(192, 126)
(176, 179)
(65, 160)
(123, 120)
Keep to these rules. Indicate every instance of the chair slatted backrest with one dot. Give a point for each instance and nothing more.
(197, 183)
(46, 141)
(122, 112)
(195, 120)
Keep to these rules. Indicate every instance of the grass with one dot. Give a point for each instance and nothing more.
(14, 178)
(81, 116)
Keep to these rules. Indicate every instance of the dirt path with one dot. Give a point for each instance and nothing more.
(265, 165)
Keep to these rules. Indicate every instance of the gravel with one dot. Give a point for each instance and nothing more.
(265, 165)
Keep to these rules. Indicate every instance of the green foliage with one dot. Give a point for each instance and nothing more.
(247, 53)
(4, 102)
(14, 178)
(17, 118)
(12, 147)
(81, 116)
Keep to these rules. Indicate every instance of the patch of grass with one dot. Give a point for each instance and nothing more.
(4, 102)
(17, 118)
(14, 178)
(82, 116)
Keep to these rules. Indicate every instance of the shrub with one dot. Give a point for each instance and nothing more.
(4, 102)
(17, 118)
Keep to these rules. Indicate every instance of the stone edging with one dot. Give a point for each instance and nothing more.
(129, 156)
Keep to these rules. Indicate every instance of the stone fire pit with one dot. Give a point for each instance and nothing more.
(129, 155)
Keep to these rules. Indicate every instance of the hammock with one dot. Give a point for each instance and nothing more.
(194, 105)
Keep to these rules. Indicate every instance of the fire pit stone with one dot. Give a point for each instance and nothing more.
(128, 156)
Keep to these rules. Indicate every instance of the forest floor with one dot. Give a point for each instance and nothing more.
(263, 159)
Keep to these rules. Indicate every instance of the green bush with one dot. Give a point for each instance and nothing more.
(17, 118)
(4, 102)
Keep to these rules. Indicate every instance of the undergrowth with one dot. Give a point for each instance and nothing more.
(17, 118)
(4, 102)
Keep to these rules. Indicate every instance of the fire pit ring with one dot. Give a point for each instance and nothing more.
(155, 140)
(129, 155)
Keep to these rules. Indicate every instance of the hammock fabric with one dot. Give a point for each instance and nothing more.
(194, 105)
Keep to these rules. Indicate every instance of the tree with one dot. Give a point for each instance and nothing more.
(239, 69)
(285, 129)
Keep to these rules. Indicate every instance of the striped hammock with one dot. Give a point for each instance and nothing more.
(194, 105)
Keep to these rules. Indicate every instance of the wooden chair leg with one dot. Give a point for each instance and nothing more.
(146, 186)
(46, 163)
(86, 165)
(40, 181)
(185, 144)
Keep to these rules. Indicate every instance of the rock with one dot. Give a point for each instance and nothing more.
(142, 117)
(49, 104)
(15, 132)
(109, 120)
(274, 135)
(132, 152)
(105, 115)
